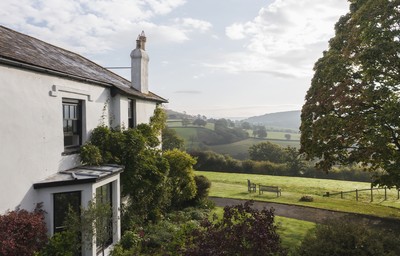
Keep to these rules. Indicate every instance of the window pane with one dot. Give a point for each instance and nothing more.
(69, 125)
(65, 125)
(74, 126)
(72, 122)
(129, 108)
(104, 196)
(72, 111)
(66, 115)
(131, 114)
(62, 203)
(68, 141)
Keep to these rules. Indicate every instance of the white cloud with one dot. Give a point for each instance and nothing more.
(198, 76)
(235, 31)
(193, 24)
(88, 26)
(164, 6)
(286, 37)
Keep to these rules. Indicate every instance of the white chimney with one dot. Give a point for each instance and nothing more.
(139, 65)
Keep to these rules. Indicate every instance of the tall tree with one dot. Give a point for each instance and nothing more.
(260, 131)
(267, 151)
(181, 176)
(171, 140)
(246, 125)
(351, 114)
(200, 122)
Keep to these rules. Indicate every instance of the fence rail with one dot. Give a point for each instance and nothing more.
(341, 193)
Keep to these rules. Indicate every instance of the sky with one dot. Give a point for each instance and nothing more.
(218, 58)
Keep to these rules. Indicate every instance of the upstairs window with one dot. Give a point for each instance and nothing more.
(131, 113)
(72, 123)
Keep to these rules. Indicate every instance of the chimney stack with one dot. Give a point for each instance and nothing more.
(139, 65)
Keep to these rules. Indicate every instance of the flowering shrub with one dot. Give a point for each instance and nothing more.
(22, 233)
(243, 230)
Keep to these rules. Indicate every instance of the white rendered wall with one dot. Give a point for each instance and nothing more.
(31, 134)
(144, 110)
(117, 112)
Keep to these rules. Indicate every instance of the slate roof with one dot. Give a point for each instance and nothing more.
(24, 51)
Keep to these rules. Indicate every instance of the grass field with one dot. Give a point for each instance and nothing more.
(232, 185)
(237, 149)
(279, 135)
(242, 147)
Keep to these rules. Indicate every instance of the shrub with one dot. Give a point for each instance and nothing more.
(62, 244)
(349, 237)
(90, 154)
(165, 237)
(306, 199)
(181, 176)
(242, 231)
(128, 245)
(22, 233)
(203, 185)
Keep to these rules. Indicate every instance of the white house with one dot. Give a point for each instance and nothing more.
(50, 100)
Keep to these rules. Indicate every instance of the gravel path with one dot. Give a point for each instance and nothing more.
(311, 214)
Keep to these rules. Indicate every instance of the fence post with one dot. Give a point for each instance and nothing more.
(398, 194)
(341, 194)
(357, 195)
(385, 194)
(372, 194)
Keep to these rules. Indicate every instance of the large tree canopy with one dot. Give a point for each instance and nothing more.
(352, 109)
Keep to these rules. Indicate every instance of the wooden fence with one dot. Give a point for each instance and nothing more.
(341, 193)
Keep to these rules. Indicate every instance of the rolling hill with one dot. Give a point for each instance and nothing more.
(287, 119)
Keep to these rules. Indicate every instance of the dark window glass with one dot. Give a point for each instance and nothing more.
(62, 203)
(131, 113)
(104, 196)
(72, 123)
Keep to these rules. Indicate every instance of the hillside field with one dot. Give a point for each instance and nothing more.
(240, 149)
(237, 149)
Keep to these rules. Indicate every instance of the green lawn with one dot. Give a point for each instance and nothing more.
(292, 231)
(232, 185)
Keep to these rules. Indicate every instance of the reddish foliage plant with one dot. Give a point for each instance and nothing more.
(22, 233)
(242, 231)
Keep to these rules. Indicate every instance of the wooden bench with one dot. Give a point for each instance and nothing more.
(276, 189)
(252, 187)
